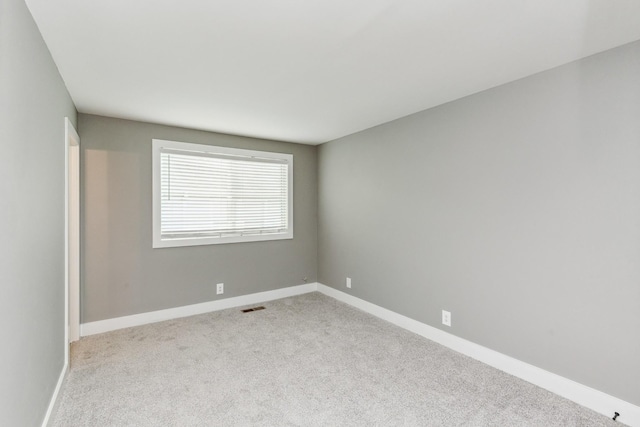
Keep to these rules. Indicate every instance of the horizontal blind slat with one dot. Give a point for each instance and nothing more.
(204, 195)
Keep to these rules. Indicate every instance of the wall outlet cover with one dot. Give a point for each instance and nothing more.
(446, 317)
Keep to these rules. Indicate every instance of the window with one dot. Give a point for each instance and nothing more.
(206, 195)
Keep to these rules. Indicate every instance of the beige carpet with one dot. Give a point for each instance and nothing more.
(302, 361)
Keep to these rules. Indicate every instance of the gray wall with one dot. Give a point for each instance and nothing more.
(123, 275)
(517, 209)
(33, 104)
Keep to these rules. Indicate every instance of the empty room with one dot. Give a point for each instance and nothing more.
(320, 213)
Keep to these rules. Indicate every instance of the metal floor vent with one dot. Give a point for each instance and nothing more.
(247, 310)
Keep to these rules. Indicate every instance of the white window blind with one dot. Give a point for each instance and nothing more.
(220, 195)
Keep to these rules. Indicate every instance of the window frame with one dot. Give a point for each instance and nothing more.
(159, 242)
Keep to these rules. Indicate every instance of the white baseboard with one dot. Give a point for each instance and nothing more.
(54, 396)
(107, 325)
(586, 396)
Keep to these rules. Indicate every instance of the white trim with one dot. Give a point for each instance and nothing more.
(586, 396)
(71, 139)
(107, 325)
(72, 235)
(74, 243)
(66, 242)
(157, 145)
(54, 396)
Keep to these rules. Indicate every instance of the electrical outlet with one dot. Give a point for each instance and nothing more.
(220, 288)
(349, 282)
(446, 318)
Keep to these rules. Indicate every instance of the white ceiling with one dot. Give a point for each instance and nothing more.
(310, 71)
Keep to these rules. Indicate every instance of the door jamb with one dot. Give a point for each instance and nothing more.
(72, 236)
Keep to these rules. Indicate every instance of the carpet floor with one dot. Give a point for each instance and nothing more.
(302, 361)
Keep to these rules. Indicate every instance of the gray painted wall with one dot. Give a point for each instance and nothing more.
(517, 209)
(33, 104)
(123, 275)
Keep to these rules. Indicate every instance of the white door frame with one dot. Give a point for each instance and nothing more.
(72, 235)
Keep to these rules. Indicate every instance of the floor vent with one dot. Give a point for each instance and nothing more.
(247, 310)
